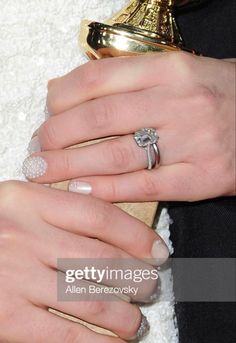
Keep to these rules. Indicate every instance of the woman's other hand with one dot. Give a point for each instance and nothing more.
(38, 225)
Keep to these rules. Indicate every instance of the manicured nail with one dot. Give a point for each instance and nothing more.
(34, 167)
(80, 187)
(160, 252)
(34, 146)
(34, 134)
(156, 295)
(143, 329)
(46, 112)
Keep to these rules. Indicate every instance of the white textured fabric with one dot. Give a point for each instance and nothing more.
(38, 41)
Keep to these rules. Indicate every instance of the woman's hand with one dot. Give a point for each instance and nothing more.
(189, 100)
(39, 225)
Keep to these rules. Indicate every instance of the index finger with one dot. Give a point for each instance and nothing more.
(105, 77)
(91, 217)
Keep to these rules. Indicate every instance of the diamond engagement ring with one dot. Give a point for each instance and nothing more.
(147, 139)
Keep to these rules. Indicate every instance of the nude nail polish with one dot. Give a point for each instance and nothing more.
(156, 295)
(80, 187)
(34, 167)
(160, 252)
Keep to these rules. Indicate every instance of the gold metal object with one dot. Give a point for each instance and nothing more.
(143, 26)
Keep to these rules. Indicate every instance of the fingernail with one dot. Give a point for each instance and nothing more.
(156, 295)
(34, 134)
(80, 187)
(34, 145)
(160, 252)
(46, 112)
(34, 167)
(143, 329)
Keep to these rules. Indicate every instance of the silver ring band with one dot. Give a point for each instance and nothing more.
(157, 154)
(147, 139)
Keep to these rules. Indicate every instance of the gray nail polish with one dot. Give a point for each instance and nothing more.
(143, 329)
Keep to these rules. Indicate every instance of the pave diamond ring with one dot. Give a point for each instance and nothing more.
(147, 139)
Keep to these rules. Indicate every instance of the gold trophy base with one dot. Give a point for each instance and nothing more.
(100, 40)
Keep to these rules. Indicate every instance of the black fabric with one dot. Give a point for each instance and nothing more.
(207, 228)
(210, 29)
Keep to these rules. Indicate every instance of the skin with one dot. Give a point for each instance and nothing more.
(190, 100)
(39, 225)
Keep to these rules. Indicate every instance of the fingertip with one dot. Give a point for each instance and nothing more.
(34, 167)
(52, 82)
(80, 187)
(160, 252)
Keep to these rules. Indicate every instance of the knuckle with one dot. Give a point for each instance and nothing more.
(211, 138)
(149, 186)
(48, 135)
(100, 214)
(141, 103)
(182, 63)
(207, 100)
(54, 100)
(215, 139)
(118, 154)
(66, 164)
(181, 57)
(95, 308)
(74, 335)
(7, 233)
(101, 114)
(105, 251)
(10, 195)
(90, 75)
(111, 190)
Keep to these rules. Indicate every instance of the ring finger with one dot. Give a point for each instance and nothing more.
(34, 324)
(111, 157)
(119, 317)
